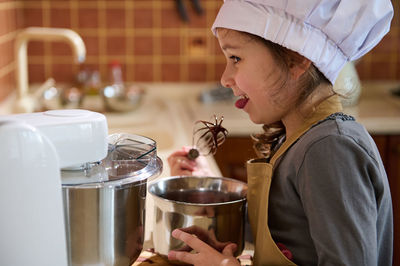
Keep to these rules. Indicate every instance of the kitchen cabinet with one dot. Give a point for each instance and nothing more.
(393, 171)
(389, 148)
(233, 154)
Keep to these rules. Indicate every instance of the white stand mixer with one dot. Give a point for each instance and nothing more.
(33, 149)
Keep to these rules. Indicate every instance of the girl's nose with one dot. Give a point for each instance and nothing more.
(226, 78)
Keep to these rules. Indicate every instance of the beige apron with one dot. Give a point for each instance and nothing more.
(259, 175)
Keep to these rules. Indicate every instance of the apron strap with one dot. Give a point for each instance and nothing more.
(323, 110)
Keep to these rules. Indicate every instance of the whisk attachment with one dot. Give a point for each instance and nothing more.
(207, 137)
(193, 154)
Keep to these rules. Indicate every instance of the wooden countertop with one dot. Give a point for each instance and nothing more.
(148, 257)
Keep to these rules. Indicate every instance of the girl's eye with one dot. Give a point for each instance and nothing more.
(235, 58)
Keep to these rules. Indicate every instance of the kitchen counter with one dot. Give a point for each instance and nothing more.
(378, 109)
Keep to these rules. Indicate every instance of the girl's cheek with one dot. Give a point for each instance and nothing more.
(245, 83)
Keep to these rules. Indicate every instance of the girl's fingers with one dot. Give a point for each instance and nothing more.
(182, 152)
(206, 255)
(177, 153)
(192, 241)
(186, 164)
(173, 158)
(230, 249)
(177, 170)
(182, 256)
(181, 166)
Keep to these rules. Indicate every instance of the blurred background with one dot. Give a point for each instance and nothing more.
(148, 37)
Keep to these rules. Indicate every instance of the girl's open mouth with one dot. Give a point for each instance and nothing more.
(242, 101)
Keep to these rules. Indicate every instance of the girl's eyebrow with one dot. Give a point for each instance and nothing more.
(228, 46)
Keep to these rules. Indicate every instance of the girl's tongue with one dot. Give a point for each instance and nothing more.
(241, 103)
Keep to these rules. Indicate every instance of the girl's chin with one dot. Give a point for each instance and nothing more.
(255, 120)
(259, 120)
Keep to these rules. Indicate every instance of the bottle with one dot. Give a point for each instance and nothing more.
(116, 73)
(114, 94)
(116, 87)
(94, 83)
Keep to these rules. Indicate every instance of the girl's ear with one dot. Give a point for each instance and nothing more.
(298, 66)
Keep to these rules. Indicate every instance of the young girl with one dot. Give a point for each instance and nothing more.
(319, 189)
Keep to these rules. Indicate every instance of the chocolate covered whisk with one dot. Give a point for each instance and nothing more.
(207, 137)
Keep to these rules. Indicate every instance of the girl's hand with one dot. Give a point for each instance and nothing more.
(207, 236)
(206, 255)
(180, 165)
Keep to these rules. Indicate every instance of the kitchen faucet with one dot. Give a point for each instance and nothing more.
(25, 101)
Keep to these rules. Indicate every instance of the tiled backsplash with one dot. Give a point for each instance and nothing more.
(8, 26)
(146, 36)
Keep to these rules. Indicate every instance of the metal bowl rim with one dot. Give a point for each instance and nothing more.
(154, 183)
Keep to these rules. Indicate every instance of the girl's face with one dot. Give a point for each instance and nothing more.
(252, 73)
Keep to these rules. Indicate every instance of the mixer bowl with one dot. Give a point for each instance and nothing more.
(213, 208)
(105, 225)
(104, 202)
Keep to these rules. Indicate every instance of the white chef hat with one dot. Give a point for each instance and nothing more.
(327, 32)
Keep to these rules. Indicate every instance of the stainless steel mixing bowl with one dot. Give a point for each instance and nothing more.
(104, 203)
(120, 98)
(213, 208)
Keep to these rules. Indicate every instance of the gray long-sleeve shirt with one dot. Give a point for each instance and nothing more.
(330, 201)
